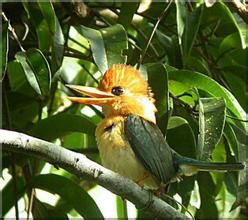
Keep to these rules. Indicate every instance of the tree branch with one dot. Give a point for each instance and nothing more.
(80, 165)
(240, 8)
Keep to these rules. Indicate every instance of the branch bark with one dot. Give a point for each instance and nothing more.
(240, 8)
(80, 165)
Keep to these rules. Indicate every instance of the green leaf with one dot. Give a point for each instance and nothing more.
(181, 19)
(120, 206)
(56, 33)
(36, 70)
(192, 79)
(208, 207)
(239, 23)
(157, 71)
(212, 114)
(242, 138)
(107, 45)
(230, 42)
(4, 48)
(40, 25)
(40, 67)
(30, 75)
(41, 210)
(127, 12)
(192, 25)
(60, 125)
(17, 78)
(8, 195)
(180, 137)
(69, 191)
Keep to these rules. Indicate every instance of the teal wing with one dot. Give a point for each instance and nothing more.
(150, 147)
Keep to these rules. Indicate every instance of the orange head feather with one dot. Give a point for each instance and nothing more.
(122, 91)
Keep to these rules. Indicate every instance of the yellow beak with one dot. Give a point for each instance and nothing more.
(96, 96)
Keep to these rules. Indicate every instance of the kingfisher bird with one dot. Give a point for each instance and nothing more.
(129, 141)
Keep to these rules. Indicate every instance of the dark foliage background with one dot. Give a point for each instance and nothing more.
(195, 62)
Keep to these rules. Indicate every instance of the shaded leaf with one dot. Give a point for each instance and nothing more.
(56, 33)
(40, 25)
(4, 48)
(212, 116)
(60, 125)
(208, 207)
(180, 137)
(157, 71)
(69, 191)
(30, 75)
(192, 25)
(127, 12)
(8, 195)
(41, 210)
(40, 67)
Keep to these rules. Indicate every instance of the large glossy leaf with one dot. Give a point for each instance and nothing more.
(107, 45)
(74, 195)
(212, 114)
(4, 48)
(157, 71)
(192, 79)
(57, 126)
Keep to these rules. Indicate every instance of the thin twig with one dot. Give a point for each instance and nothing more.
(12, 30)
(153, 32)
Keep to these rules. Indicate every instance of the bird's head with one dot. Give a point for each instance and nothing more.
(122, 91)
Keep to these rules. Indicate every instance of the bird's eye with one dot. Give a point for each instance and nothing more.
(117, 90)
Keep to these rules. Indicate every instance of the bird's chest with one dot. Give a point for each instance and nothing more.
(115, 151)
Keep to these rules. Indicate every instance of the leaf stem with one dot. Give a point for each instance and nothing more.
(153, 32)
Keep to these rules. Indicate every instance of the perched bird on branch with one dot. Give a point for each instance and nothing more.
(129, 141)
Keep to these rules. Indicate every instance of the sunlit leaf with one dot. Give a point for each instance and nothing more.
(212, 116)
(197, 80)
(181, 19)
(107, 45)
(69, 191)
